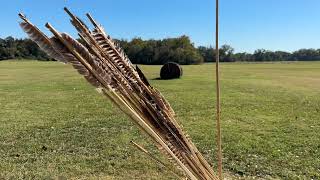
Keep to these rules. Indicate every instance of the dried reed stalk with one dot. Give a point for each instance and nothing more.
(105, 66)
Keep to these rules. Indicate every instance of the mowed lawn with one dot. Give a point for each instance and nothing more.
(53, 124)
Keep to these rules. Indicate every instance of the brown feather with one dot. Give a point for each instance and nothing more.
(107, 65)
(41, 40)
(142, 76)
(70, 58)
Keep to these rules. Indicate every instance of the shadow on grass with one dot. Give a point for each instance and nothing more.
(158, 78)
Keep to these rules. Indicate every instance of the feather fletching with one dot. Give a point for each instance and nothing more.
(104, 65)
(41, 40)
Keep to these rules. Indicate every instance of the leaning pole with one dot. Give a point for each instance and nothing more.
(218, 108)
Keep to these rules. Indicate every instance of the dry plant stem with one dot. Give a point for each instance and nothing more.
(23, 17)
(194, 168)
(204, 162)
(101, 50)
(135, 103)
(115, 51)
(154, 158)
(200, 162)
(136, 117)
(122, 104)
(200, 157)
(128, 93)
(197, 161)
(113, 98)
(76, 54)
(96, 48)
(88, 35)
(95, 24)
(114, 75)
(218, 109)
(133, 99)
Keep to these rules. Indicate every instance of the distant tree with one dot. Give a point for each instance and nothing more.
(226, 53)
(243, 57)
(11, 48)
(180, 50)
(207, 53)
(282, 55)
(306, 55)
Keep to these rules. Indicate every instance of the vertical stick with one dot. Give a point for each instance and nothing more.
(218, 109)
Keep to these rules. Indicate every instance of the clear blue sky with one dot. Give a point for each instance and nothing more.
(245, 24)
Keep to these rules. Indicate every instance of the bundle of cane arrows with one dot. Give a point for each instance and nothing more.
(105, 66)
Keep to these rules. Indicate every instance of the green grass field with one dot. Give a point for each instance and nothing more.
(54, 124)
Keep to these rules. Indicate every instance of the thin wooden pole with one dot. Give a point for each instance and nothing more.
(218, 108)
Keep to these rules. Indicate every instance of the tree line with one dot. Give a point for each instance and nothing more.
(180, 50)
(11, 48)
